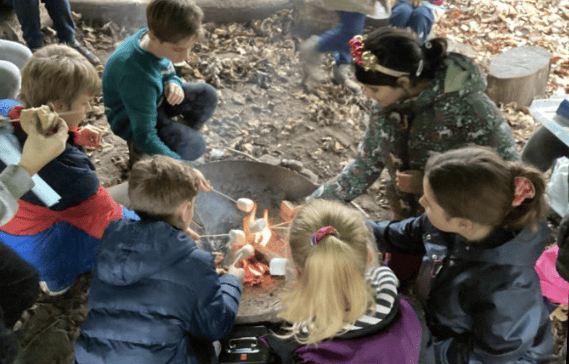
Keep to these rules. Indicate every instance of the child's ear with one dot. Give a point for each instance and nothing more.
(462, 225)
(58, 106)
(404, 82)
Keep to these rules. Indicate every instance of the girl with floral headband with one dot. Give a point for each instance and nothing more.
(426, 100)
(480, 237)
(342, 307)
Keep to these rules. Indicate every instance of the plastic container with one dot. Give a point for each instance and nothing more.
(562, 113)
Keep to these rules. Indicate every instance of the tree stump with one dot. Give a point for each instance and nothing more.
(519, 75)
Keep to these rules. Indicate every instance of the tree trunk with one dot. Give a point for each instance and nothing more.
(519, 75)
(133, 12)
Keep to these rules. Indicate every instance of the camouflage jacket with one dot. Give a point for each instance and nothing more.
(451, 112)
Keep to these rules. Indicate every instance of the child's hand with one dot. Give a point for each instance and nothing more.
(237, 272)
(204, 185)
(174, 93)
(89, 136)
(415, 3)
(410, 181)
(39, 149)
(192, 234)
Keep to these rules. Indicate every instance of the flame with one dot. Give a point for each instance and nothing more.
(265, 242)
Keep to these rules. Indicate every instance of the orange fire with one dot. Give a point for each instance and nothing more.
(267, 242)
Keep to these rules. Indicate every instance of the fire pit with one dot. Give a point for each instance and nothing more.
(268, 186)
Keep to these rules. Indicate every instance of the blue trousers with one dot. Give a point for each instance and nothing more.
(419, 19)
(336, 39)
(28, 14)
(183, 137)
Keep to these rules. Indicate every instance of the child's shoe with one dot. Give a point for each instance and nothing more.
(310, 58)
(341, 76)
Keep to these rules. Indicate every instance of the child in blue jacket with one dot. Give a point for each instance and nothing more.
(155, 297)
(480, 238)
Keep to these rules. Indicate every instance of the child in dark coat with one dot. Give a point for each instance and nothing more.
(480, 237)
(155, 297)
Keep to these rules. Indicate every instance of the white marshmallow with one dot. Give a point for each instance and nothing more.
(258, 226)
(245, 204)
(237, 236)
(277, 266)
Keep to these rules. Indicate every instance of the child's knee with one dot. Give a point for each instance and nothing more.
(400, 15)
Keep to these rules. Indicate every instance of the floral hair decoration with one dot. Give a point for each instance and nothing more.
(524, 189)
(368, 61)
(322, 233)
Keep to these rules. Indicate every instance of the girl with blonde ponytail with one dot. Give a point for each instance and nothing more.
(342, 307)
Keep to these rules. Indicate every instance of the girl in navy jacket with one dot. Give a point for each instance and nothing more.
(480, 238)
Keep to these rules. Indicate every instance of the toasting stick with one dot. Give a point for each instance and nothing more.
(245, 252)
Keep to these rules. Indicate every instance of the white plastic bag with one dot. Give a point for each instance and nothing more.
(558, 187)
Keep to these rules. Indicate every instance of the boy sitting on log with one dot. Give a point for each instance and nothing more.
(142, 93)
(155, 297)
(60, 241)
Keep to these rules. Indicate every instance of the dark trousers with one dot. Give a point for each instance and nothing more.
(19, 285)
(337, 39)
(419, 19)
(28, 14)
(543, 148)
(183, 136)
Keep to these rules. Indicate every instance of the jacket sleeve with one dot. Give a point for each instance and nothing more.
(14, 183)
(562, 263)
(505, 323)
(140, 106)
(491, 128)
(357, 176)
(404, 237)
(217, 302)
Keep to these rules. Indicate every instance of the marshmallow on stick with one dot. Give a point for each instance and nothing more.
(237, 236)
(47, 117)
(245, 252)
(258, 226)
(245, 204)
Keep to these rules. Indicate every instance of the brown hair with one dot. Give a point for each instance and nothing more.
(400, 50)
(57, 73)
(174, 20)
(159, 184)
(477, 184)
(330, 291)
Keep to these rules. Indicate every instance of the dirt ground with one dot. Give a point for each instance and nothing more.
(264, 114)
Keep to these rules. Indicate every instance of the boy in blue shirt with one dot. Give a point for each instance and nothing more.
(142, 93)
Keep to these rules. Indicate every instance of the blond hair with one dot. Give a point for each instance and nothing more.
(477, 184)
(330, 292)
(159, 184)
(174, 20)
(57, 73)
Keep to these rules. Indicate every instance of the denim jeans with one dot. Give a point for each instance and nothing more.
(183, 137)
(13, 57)
(419, 19)
(28, 14)
(337, 39)
(543, 148)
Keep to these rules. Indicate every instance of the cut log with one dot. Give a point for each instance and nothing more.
(519, 74)
(133, 12)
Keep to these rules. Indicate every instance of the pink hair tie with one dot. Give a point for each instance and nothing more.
(524, 189)
(322, 233)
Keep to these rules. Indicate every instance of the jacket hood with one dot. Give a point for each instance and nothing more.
(459, 76)
(132, 250)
